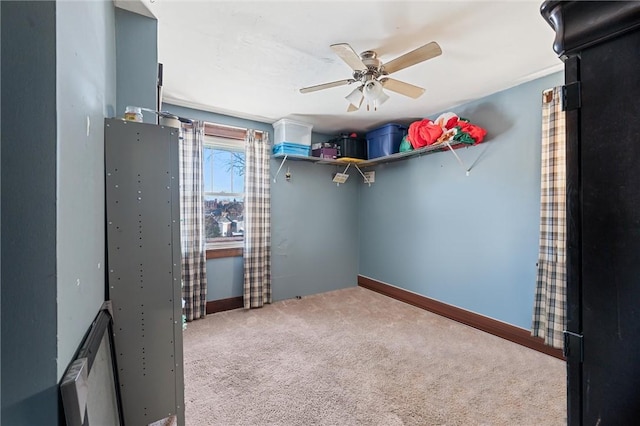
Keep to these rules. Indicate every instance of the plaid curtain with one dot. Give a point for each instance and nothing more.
(257, 221)
(550, 297)
(194, 267)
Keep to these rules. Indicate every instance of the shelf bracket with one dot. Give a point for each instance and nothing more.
(280, 168)
(467, 170)
(362, 174)
(341, 177)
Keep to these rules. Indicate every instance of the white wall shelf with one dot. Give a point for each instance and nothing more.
(359, 164)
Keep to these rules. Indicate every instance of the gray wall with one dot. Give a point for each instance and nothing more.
(313, 227)
(29, 314)
(136, 62)
(86, 84)
(469, 241)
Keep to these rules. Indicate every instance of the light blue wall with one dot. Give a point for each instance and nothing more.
(314, 242)
(86, 89)
(136, 62)
(224, 277)
(313, 227)
(469, 241)
(29, 312)
(59, 63)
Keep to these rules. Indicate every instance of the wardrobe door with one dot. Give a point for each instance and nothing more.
(599, 42)
(610, 171)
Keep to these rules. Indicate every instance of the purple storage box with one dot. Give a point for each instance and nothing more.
(331, 153)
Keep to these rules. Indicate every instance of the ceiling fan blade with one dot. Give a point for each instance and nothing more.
(428, 51)
(327, 85)
(348, 55)
(401, 87)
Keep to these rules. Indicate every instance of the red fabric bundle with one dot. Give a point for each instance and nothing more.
(476, 132)
(453, 122)
(423, 133)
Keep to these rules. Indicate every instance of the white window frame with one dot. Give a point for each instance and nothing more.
(229, 144)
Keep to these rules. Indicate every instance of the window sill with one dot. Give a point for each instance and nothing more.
(220, 252)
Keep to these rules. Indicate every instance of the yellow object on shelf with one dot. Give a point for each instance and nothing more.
(350, 160)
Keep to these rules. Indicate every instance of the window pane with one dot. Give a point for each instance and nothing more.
(222, 166)
(224, 194)
(224, 218)
(223, 170)
(207, 167)
(238, 172)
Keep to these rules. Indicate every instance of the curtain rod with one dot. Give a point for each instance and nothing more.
(167, 114)
(220, 130)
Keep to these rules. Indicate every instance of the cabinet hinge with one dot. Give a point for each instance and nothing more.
(573, 346)
(571, 96)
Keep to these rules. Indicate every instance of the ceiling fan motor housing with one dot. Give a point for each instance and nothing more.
(374, 67)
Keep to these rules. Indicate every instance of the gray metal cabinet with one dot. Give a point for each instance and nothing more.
(144, 268)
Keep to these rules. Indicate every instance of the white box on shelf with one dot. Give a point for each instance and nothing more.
(286, 130)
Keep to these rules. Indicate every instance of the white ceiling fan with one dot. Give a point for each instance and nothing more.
(372, 74)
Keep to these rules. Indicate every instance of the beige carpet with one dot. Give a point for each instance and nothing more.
(355, 357)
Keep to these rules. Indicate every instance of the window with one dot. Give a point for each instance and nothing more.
(223, 168)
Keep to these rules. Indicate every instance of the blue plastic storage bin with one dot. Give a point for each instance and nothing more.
(291, 149)
(385, 140)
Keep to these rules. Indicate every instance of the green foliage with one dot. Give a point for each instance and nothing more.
(212, 230)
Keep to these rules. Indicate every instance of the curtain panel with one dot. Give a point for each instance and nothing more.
(192, 236)
(257, 221)
(550, 297)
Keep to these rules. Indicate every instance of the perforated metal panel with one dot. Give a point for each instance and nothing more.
(144, 269)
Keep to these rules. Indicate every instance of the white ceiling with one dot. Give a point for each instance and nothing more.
(249, 59)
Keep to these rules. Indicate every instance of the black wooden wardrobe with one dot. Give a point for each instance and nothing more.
(599, 43)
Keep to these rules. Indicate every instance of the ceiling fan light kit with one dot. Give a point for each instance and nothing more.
(372, 74)
(372, 92)
(355, 98)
